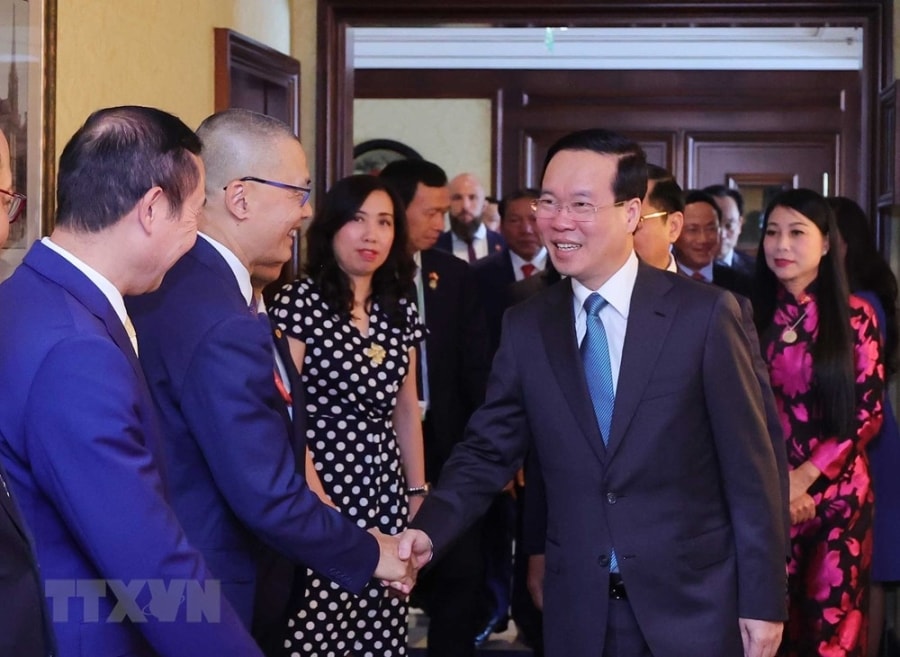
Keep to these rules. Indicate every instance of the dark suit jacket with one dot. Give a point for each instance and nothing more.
(687, 489)
(494, 239)
(81, 446)
(229, 450)
(24, 623)
(495, 277)
(742, 263)
(732, 280)
(457, 351)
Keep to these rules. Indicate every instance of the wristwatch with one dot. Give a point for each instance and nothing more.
(419, 490)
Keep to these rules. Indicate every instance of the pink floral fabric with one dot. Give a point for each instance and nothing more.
(831, 554)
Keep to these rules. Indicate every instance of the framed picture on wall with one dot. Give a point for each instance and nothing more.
(373, 155)
(27, 117)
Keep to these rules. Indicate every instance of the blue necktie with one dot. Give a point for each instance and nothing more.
(598, 372)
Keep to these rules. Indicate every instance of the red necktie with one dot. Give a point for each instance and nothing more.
(697, 276)
(472, 256)
(528, 269)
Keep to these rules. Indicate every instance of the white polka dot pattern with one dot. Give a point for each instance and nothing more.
(350, 395)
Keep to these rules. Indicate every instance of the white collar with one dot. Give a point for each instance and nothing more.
(241, 275)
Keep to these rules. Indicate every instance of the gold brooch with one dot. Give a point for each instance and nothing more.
(433, 280)
(377, 353)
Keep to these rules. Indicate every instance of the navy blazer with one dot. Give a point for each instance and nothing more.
(237, 486)
(457, 351)
(495, 277)
(82, 449)
(495, 241)
(687, 489)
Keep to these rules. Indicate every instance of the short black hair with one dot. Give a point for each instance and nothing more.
(525, 192)
(721, 191)
(116, 157)
(405, 175)
(631, 175)
(665, 193)
(699, 196)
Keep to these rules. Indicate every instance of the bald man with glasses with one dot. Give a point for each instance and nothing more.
(234, 424)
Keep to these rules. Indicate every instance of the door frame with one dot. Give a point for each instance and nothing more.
(335, 85)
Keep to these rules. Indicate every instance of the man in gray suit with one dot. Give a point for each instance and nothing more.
(665, 531)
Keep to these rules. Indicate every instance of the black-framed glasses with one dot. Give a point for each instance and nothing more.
(547, 208)
(303, 191)
(15, 204)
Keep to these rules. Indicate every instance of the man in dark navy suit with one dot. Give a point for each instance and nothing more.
(468, 238)
(698, 244)
(731, 204)
(664, 513)
(452, 381)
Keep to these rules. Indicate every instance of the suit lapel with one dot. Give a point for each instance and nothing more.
(649, 320)
(57, 269)
(296, 419)
(561, 347)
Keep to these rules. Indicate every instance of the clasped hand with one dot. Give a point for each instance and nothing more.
(401, 557)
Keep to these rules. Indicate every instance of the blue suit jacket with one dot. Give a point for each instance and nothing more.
(231, 457)
(687, 490)
(494, 239)
(81, 447)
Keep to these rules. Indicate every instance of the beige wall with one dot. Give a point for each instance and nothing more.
(151, 53)
(453, 133)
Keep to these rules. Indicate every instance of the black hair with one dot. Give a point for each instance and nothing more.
(526, 192)
(699, 196)
(391, 282)
(867, 269)
(721, 191)
(665, 193)
(631, 175)
(405, 175)
(116, 157)
(832, 351)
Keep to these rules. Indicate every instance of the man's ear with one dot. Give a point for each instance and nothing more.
(675, 222)
(633, 213)
(153, 205)
(236, 199)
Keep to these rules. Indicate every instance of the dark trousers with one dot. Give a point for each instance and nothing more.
(449, 593)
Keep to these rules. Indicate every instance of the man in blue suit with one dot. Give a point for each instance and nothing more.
(25, 626)
(234, 457)
(636, 392)
(78, 433)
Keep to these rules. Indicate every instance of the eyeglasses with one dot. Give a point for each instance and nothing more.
(547, 208)
(15, 204)
(303, 191)
(652, 215)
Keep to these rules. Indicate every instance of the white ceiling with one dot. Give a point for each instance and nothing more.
(664, 48)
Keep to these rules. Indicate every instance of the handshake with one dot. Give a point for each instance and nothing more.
(401, 557)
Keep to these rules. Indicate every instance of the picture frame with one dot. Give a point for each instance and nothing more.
(28, 117)
(373, 155)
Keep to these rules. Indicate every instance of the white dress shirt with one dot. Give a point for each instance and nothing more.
(539, 261)
(617, 291)
(479, 241)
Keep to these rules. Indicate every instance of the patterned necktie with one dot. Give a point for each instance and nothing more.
(528, 269)
(598, 372)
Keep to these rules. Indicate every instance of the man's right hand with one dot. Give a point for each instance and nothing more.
(399, 574)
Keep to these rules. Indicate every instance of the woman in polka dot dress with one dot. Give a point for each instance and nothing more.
(353, 331)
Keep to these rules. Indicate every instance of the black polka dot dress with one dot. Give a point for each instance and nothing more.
(351, 385)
